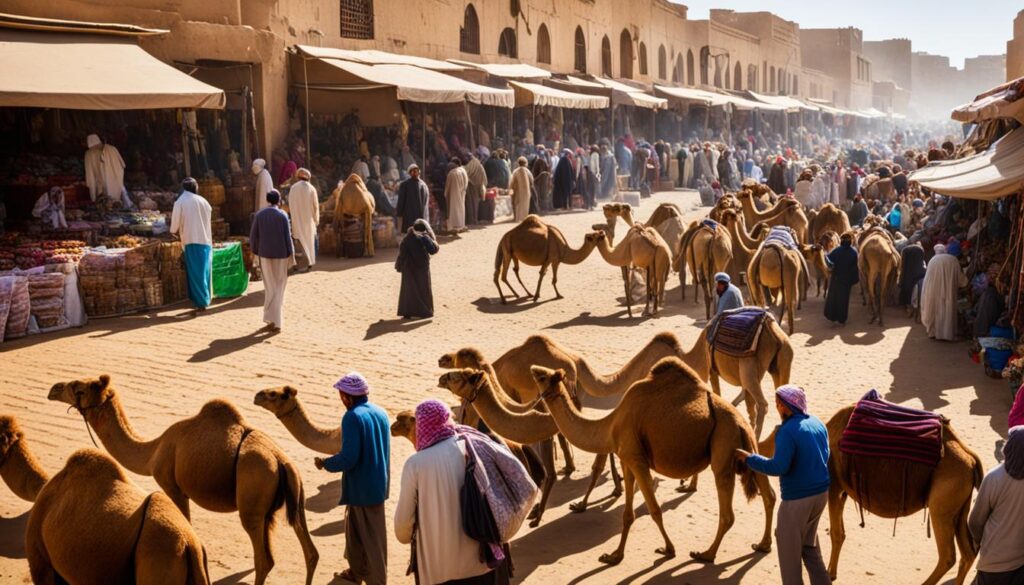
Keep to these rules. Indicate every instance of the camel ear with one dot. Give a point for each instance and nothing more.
(103, 383)
(289, 391)
(558, 376)
(476, 377)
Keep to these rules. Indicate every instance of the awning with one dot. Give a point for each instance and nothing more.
(409, 83)
(619, 93)
(689, 96)
(92, 72)
(826, 108)
(995, 173)
(999, 102)
(506, 70)
(741, 103)
(873, 112)
(534, 94)
(790, 104)
(374, 57)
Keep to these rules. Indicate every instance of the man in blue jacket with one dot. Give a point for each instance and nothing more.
(801, 462)
(364, 462)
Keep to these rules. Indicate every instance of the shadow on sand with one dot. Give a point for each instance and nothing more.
(400, 325)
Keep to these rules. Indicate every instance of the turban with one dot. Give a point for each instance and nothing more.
(939, 249)
(793, 397)
(412, 167)
(433, 423)
(1013, 452)
(723, 277)
(258, 165)
(304, 173)
(92, 140)
(353, 384)
(522, 161)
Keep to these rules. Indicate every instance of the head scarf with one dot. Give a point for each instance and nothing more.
(258, 165)
(353, 384)
(433, 423)
(939, 249)
(412, 167)
(723, 277)
(92, 140)
(422, 227)
(304, 174)
(793, 396)
(1013, 452)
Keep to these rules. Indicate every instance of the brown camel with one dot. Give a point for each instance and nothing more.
(710, 252)
(879, 265)
(535, 243)
(778, 273)
(786, 212)
(816, 257)
(672, 424)
(213, 458)
(744, 245)
(829, 218)
(284, 403)
(352, 198)
(667, 218)
(946, 493)
(144, 538)
(642, 248)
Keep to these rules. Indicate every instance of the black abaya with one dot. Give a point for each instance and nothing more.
(416, 298)
(912, 268)
(565, 180)
(845, 274)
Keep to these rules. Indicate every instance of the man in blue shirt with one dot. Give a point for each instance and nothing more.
(365, 481)
(729, 295)
(801, 462)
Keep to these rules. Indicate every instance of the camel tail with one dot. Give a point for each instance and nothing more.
(747, 475)
(498, 255)
(290, 490)
(978, 468)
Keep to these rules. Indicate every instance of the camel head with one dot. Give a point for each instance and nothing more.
(10, 434)
(759, 229)
(550, 383)
(405, 426)
(467, 357)
(464, 383)
(279, 401)
(595, 236)
(83, 394)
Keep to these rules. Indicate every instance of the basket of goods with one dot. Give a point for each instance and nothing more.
(384, 232)
(46, 299)
(14, 299)
(212, 190)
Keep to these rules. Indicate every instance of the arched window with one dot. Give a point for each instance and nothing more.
(606, 57)
(543, 45)
(689, 67)
(662, 63)
(643, 59)
(507, 44)
(469, 34)
(705, 56)
(625, 55)
(782, 81)
(752, 77)
(581, 51)
(771, 79)
(737, 79)
(357, 19)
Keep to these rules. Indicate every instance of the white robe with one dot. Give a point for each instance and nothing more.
(522, 180)
(275, 279)
(803, 194)
(304, 206)
(942, 280)
(104, 172)
(264, 183)
(455, 194)
(819, 191)
(51, 213)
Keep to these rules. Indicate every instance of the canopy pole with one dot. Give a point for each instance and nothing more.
(423, 138)
(184, 144)
(469, 122)
(305, 83)
(533, 126)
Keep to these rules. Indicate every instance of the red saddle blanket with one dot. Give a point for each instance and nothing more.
(882, 429)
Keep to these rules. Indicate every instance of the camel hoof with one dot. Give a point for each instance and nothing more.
(535, 523)
(559, 297)
(578, 507)
(611, 559)
(687, 489)
(535, 512)
(504, 302)
(669, 552)
(616, 493)
(703, 557)
(568, 471)
(762, 547)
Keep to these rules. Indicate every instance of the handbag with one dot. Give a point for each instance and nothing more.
(477, 519)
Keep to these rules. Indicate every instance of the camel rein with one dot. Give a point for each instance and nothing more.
(81, 410)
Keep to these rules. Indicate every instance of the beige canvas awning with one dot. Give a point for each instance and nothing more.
(1004, 101)
(687, 96)
(506, 70)
(534, 94)
(409, 82)
(374, 57)
(995, 173)
(619, 93)
(784, 101)
(92, 72)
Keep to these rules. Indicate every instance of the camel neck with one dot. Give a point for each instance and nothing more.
(572, 255)
(311, 436)
(741, 240)
(616, 256)
(116, 433)
(22, 473)
(697, 358)
(618, 382)
(593, 436)
(526, 428)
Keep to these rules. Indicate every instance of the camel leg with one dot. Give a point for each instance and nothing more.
(570, 465)
(725, 482)
(515, 269)
(501, 274)
(554, 280)
(177, 496)
(628, 515)
(965, 543)
(836, 527)
(629, 291)
(783, 363)
(309, 552)
(256, 526)
(547, 453)
(616, 479)
(945, 536)
(543, 271)
(595, 472)
(764, 487)
(646, 483)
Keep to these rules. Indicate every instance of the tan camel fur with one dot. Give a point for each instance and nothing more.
(669, 423)
(352, 198)
(946, 493)
(786, 212)
(144, 538)
(879, 265)
(535, 243)
(709, 251)
(642, 248)
(816, 257)
(829, 218)
(284, 403)
(213, 458)
(777, 273)
(667, 218)
(744, 245)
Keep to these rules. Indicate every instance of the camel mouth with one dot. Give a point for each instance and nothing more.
(445, 361)
(57, 393)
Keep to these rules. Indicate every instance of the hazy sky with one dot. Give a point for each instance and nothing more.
(958, 29)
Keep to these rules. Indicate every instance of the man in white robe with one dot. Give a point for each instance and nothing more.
(304, 206)
(191, 221)
(264, 183)
(455, 195)
(50, 209)
(521, 186)
(104, 169)
(942, 280)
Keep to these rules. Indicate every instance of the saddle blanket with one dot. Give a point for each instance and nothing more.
(882, 429)
(736, 332)
(710, 224)
(781, 236)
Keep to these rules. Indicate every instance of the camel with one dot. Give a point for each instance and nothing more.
(828, 218)
(670, 423)
(352, 198)
(786, 212)
(643, 248)
(144, 538)
(213, 458)
(744, 245)
(710, 251)
(816, 257)
(879, 265)
(945, 492)
(776, 272)
(667, 218)
(284, 403)
(535, 243)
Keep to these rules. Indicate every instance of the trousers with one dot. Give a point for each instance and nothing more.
(796, 536)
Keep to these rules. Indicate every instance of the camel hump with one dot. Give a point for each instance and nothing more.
(674, 366)
(93, 464)
(9, 425)
(668, 338)
(221, 409)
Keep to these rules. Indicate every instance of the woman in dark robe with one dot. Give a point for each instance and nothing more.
(565, 180)
(912, 267)
(416, 298)
(777, 177)
(843, 261)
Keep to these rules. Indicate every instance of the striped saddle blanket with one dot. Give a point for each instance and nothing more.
(736, 332)
(710, 224)
(781, 236)
(882, 429)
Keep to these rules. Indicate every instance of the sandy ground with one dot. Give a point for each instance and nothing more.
(342, 317)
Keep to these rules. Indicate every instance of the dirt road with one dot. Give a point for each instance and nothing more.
(342, 317)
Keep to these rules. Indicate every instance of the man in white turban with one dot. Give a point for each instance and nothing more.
(942, 280)
(522, 188)
(264, 183)
(304, 206)
(104, 169)
(455, 194)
